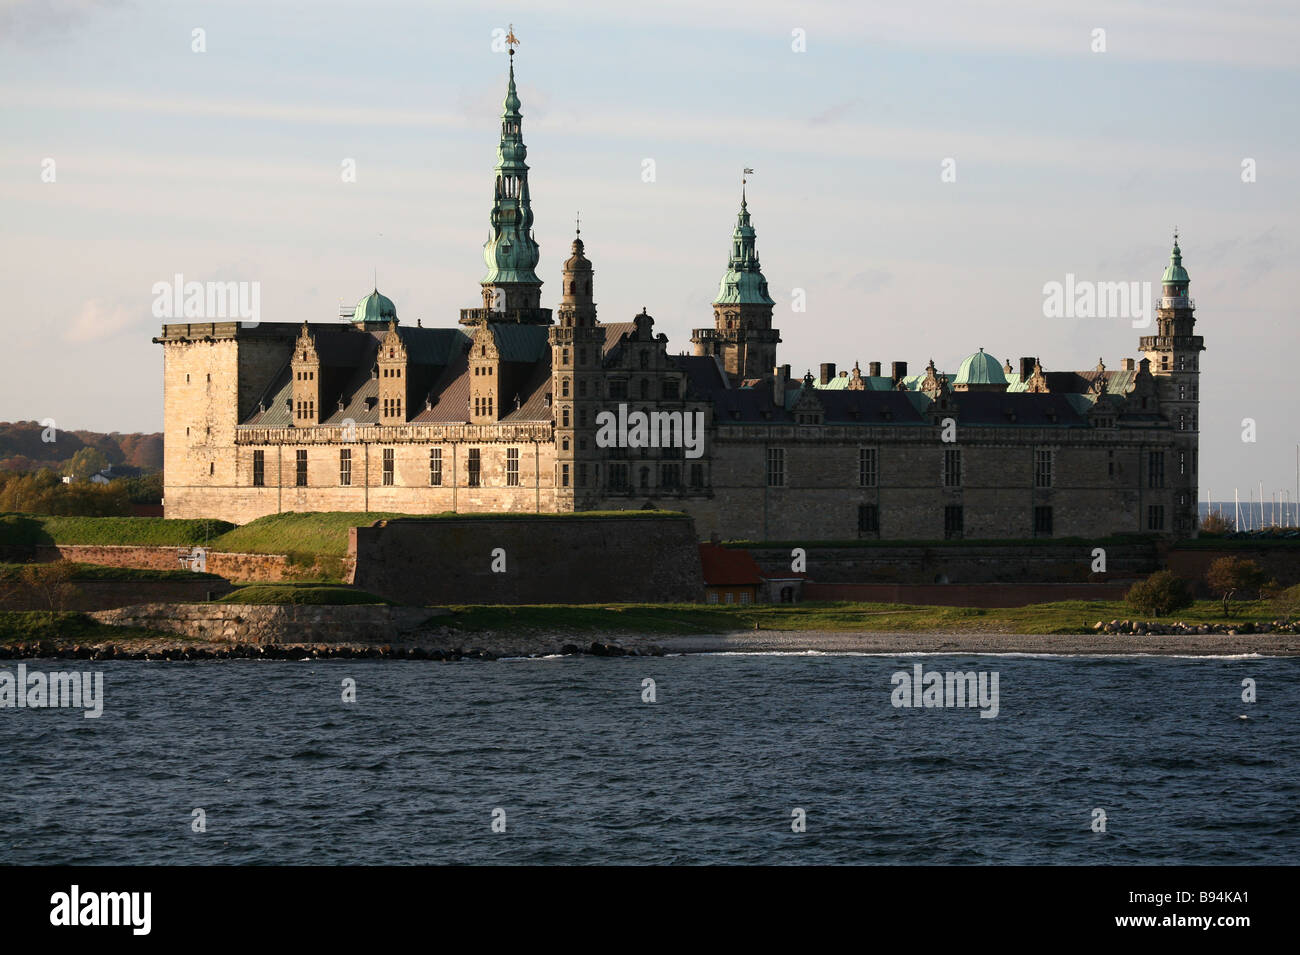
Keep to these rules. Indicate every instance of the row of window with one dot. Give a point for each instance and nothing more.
(954, 520)
(1044, 467)
(670, 473)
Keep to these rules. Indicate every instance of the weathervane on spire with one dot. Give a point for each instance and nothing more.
(577, 221)
(512, 41)
(743, 179)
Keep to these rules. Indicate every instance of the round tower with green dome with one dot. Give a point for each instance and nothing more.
(1175, 356)
(742, 335)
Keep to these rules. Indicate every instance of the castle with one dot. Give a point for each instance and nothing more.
(500, 414)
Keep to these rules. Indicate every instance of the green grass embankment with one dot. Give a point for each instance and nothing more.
(1069, 616)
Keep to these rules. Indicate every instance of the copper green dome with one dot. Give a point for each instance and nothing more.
(375, 308)
(1175, 274)
(743, 283)
(980, 369)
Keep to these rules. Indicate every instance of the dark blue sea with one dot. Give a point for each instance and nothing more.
(711, 772)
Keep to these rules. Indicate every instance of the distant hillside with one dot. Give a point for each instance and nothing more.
(21, 447)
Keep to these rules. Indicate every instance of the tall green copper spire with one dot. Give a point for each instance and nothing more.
(511, 252)
(743, 283)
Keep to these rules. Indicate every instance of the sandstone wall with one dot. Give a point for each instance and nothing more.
(565, 560)
(261, 624)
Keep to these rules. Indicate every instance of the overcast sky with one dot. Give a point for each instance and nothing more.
(226, 165)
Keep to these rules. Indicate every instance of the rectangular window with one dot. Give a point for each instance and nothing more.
(953, 521)
(670, 475)
(259, 468)
(866, 467)
(670, 389)
(512, 467)
(564, 475)
(1042, 469)
(713, 596)
(745, 597)
(388, 467)
(1182, 463)
(618, 476)
(776, 467)
(618, 389)
(345, 467)
(475, 467)
(730, 597)
(435, 467)
(1042, 522)
(300, 478)
(697, 475)
(582, 475)
(868, 519)
(1110, 463)
(952, 468)
(1156, 517)
(1156, 469)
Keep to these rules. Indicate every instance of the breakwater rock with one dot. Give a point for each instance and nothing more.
(250, 651)
(1176, 627)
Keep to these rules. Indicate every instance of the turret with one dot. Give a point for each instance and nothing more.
(742, 334)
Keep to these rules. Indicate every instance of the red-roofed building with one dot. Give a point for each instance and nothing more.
(730, 576)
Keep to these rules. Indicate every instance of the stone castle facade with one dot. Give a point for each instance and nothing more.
(502, 411)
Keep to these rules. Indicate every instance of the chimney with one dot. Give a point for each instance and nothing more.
(1128, 364)
(873, 369)
(898, 371)
(1026, 368)
(780, 375)
(828, 372)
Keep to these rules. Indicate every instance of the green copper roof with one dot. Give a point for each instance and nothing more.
(375, 308)
(743, 283)
(980, 369)
(511, 252)
(1175, 274)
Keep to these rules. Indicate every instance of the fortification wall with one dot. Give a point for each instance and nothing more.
(971, 563)
(244, 568)
(555, 560)
(1280, 564)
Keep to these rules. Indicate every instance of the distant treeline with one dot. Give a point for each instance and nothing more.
(43, 492)
(23, 447)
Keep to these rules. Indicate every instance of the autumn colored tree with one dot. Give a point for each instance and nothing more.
(1216, 524)
(1159, 594)
(1229, 576)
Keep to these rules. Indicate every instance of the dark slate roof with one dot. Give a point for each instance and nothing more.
(995, 409)
(614, 333)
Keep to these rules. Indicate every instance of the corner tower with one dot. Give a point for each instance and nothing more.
(1174, 352)
(577, 350)
(742, 335)
(512, 291)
